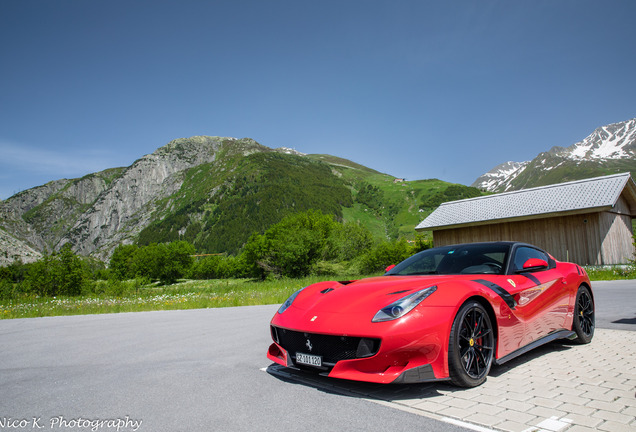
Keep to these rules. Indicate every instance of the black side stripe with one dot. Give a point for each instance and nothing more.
(505, 295)
(533, 278)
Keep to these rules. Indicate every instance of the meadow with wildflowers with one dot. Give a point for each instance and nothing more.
(134, 296)
(191, 294)
(613, 272)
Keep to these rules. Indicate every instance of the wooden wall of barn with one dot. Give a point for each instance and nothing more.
(586, 239)
(616, 234)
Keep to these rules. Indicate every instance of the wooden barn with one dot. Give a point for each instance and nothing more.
(588, 222)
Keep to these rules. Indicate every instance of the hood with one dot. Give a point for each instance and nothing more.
(348, 307)
(362, 296)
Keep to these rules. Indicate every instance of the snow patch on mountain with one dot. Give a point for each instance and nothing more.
(287, 150)
(612, 142)
(501, 175)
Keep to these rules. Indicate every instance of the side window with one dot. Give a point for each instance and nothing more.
(523, 254)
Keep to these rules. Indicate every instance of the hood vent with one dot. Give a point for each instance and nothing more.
(399, 292)
(346, 282)
(325, 291)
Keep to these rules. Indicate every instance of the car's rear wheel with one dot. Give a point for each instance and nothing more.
(584, 318)
(471, 346)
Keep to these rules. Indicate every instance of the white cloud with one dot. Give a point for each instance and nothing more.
(23, 166)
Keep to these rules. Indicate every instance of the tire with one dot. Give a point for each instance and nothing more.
(584, 316)
(471, 347)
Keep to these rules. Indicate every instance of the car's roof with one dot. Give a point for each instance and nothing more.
(504, 242)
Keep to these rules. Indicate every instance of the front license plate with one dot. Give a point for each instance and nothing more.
(308, 359)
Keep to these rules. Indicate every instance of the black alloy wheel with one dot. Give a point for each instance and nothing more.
(584, 318)
(471, 346)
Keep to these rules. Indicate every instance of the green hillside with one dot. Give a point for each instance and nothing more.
(221, 204)
(391, 208)
(388, 207)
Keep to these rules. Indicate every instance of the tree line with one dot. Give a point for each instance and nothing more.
(302, 244)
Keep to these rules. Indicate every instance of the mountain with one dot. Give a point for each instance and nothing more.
(609, 149)
(211, 191)
(35, 219)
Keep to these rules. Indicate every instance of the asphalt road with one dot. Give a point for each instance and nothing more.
(196, 370)
(615, 304)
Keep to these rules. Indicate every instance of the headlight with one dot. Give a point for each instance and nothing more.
(289, 301)
(401, 307)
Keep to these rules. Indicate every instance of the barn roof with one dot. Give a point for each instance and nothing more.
(581, 196)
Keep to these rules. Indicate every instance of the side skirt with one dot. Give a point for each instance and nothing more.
(560, 334)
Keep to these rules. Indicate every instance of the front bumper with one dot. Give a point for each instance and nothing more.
(407, 351)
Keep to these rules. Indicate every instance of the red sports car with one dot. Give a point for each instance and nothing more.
(446, 313)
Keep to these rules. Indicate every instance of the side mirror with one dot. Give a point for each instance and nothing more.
(534, 264)
(389, 268)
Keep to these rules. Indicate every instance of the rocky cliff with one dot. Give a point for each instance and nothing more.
(99, 211)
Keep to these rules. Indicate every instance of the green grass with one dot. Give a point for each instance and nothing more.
(192, 294)
(405, 197)
(365, 217)
(195, 294)
(619, 272)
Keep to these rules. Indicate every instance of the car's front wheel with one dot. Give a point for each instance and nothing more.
(584, 320)
(471, 346)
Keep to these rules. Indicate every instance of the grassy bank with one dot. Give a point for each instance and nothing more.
(611, 272)
(194, 294)
(184, 295)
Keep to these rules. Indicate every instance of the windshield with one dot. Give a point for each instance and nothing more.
(477, 258)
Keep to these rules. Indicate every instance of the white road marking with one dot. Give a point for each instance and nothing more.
(466, 425)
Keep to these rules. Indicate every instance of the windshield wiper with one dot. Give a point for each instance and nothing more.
(421, 273)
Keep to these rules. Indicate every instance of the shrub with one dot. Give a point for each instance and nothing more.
(383, 255)
(7, 290)
(347, 241)
(59, 274)
(122, 262)
(291, 247)
(174, 261)
(212, 267)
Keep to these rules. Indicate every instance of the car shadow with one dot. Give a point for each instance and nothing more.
(357, 389)
(399, 392)
(554, 346)
(625, 321)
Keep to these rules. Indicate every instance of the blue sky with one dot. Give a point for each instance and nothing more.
(417, 89)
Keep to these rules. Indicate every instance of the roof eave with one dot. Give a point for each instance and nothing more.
(517, 218)
(629, 191)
